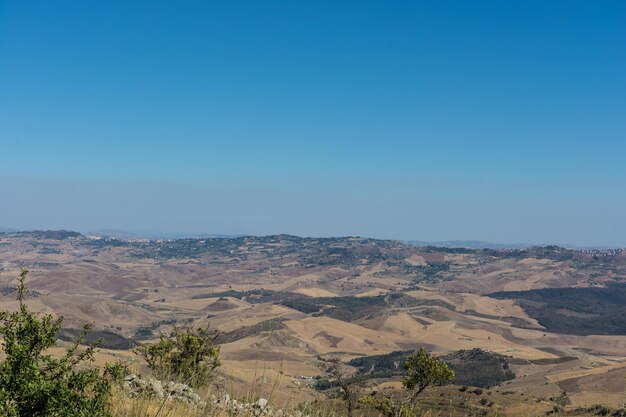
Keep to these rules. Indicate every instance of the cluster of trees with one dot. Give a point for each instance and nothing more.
(421, 370)
(579, 311)
(345, 308)
(475, 367)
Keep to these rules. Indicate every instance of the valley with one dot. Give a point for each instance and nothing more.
(551, 319)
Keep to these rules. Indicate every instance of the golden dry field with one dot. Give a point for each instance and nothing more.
(280, 302)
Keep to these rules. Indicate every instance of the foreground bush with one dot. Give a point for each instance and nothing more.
(33, 383)
(188, 355)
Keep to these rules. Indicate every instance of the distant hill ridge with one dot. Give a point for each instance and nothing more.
(43, 234)
(124, 235)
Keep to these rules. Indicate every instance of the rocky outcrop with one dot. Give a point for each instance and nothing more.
(134, 386)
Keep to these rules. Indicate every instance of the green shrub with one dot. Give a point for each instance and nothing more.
(562, 400)
(422, 370)
(116, 372)
(188, 355)
(339, 376)
(32, 382)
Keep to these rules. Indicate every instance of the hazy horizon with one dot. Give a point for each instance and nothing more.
(492, 121)
(168, 234)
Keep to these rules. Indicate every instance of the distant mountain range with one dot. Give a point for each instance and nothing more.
(468, 244)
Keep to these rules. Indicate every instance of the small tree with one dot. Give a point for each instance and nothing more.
(422, 370)
(188, 355)
(33, 383)
(347, 384)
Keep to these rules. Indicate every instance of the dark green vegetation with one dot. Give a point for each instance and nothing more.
(381, 366)
(147, 332)
(312, 251)
(33, 383)
(105, 339)
(421, 370)
(579, 311)
(188, 355)
(264, 326)
(595, 410)
(478, 368)
(345, 308)
(341, 308)
(432, 271)
(474, 367)
(13, 290)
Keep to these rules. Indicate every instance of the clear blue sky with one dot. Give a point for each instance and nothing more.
(493, 120)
